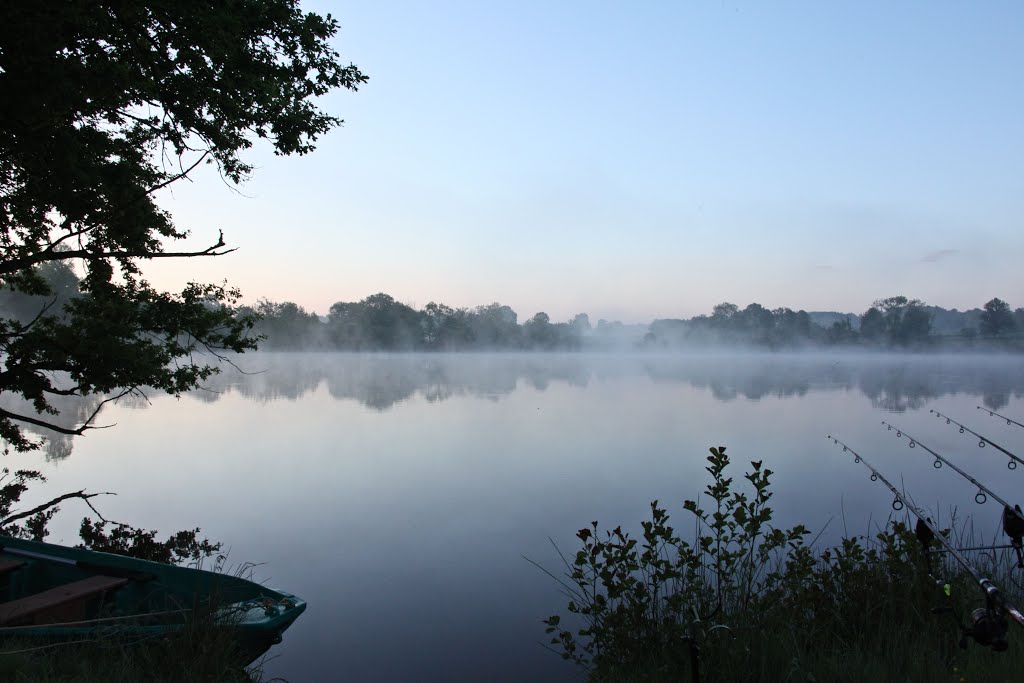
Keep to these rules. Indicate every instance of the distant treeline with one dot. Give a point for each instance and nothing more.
(895, 322)
(379, 322)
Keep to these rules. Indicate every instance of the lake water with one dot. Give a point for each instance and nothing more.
(398, 494)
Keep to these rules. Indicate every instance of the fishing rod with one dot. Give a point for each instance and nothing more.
(1013, 517)
(992, 413)
(1012, 464)
(988, 624)
(983, 491)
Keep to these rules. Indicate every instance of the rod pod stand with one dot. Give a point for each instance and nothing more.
(989, 624)
(1013, 518)
(925, 535)
(1013, 526)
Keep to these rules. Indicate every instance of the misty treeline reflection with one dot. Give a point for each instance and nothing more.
(380, 381)
(379, 322)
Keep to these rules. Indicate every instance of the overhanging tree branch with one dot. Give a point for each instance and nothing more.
(15, 265)
(70, 431)
(80, 163)
(179, 176)
(81, 495)
(27, 419)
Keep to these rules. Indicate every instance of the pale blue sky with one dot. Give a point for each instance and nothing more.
(641, 160)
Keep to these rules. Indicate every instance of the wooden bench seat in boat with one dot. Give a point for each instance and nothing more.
(9, 565)
(62, 603)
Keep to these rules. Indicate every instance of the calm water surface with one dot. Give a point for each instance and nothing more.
(399, 494)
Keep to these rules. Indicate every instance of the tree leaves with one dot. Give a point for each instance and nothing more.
(101, 105)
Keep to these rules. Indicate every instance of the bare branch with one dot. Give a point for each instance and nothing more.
(73, 391)
(17, 264)
(70, 431)
(42, 423)
(40, 314)
(20, 332)
(70, 234)
(219, 356)
(179, 176)
(138, 119)
(97, 512)
(82, 495)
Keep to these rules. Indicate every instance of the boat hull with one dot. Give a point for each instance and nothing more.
(50, 592)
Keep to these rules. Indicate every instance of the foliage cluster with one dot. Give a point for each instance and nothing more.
(891, 322)
(182, 547)
(380, 323)
(744, 601)
(997, 319)
(754, 324)
(897, 321)
(104, 104)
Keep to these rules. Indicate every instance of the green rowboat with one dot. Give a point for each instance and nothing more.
(50, 592)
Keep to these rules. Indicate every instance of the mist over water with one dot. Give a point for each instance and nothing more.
(397, 493)
(894, 382)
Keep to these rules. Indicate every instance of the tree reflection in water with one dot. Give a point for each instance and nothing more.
(379, 381)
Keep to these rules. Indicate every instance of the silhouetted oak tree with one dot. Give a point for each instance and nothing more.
(102, 104)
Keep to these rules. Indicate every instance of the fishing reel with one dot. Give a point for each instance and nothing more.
(988, 624)
(988, 628)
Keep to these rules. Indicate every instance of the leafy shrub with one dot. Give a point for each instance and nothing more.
(743, 600)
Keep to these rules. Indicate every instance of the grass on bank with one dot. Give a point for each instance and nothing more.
(202, 654)
(205, 650)
(748, 602)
